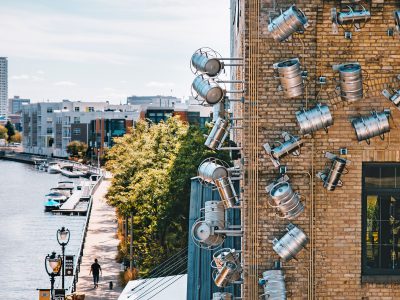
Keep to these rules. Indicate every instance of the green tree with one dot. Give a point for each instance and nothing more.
(3, 133)
(152, 168)
(10, 131)
(16, 138)
(77, 149)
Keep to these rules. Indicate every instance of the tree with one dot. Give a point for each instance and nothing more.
(152, 167)
(77, 149)
(3, 133)
(16, 138)
(10, 130)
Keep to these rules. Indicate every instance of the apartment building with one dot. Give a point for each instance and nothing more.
(3, 86)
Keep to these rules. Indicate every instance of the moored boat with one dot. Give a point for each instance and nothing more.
(57, 196)
(54, 168)
(51, 204)
(70, 172)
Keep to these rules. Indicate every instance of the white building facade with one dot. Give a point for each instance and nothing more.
(3, 87)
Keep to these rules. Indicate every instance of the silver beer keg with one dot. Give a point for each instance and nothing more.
(377, 124)
(274, 285)
(211, 66)
(351, 83)
(316, 118)
(286, 200)
(394, 97)
(222, 296)
(291, 243)
(218, 134)
(208, 89)
(287, 23)
(209, 171)
(353, 16)
(291, 144)
(397, 19)
(335, 172)
(221, 256)
(227, 192)
(290, 75)
(229, 273)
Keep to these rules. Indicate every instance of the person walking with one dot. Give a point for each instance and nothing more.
(95, 269)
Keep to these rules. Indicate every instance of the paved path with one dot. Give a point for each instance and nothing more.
(101, 243)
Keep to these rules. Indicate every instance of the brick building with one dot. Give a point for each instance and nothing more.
(353, 231)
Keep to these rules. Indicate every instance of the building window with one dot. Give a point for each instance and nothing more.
(76, 131)
(77, 120)
(381, 219)
(90, 109)
(49, 130)
(49, 110)
(77, 108)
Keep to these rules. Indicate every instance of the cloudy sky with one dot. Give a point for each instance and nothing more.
(107, 49)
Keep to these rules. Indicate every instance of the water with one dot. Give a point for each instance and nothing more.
(27, 234)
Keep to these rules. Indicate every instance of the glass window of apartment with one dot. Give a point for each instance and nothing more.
(90, 109)
(76, 108)
(77, 120)
(49, 130)
(49, 110)
(381, 219)
(76, 131)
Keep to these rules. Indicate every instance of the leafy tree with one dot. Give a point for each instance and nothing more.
(3, 133)
(77, 149)
(152, 167)
(10, 130)
(16, 138)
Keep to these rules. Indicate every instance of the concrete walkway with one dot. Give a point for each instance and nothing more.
(101, 243)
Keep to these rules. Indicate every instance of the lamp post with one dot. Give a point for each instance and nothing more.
(52, 265)
(63, 236)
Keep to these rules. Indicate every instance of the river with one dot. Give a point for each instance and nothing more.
(27, 233)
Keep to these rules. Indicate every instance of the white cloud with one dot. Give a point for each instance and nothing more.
(20, 77)
(40, 72)
(65, 83)
(157, 84)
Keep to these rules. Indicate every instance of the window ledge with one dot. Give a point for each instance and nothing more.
(380, 279)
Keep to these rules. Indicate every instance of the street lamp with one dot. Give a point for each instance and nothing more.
(52, 265)
(63, 236)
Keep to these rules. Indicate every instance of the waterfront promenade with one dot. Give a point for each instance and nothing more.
(101, 243)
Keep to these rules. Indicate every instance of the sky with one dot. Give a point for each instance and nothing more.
(96, 50)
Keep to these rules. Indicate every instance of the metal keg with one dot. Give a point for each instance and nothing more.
(291, 144)
(208, 89)
(333, 177)
(222, 296)
(203, 235)
(351, 83)
(291, 243)
(353, 16)
(218, 134)
(397, 19)
(209, 65)
(287, 23)
(274, 285)
(286, 200)
(368, 127)
(228, 274)
(227, 192)
(316, 118)
(214, 214)
(290, 76)
(394, 97)
(210, 171)
(224, 255)
(218, 111)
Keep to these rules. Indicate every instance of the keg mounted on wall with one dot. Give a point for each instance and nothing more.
(393, 96)
(273, 283)
(331, 175)
(367, 127)
(291, 77)
(217, 172)
(350, 81)
(227, 267)
(291, 243)
(396, 16)
(290, 21)
(207, 65)
(210, 231)
(290, 145)
(354, 14)
(314, 119)
(285, 200)
(222, 296)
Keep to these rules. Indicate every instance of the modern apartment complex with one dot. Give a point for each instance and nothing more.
(3, 86)
(15, 105)
(319, 195)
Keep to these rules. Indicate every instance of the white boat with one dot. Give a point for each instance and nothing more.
(65, 185)
(54, 168)
(69, 172)
(66, 192)
(57, 196)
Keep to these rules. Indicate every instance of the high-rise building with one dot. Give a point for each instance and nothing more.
(3, 86)
(15, 104)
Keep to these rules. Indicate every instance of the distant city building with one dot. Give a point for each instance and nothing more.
(48, 127)
(15, 119)
(3, 86)
(161, 101)
(15, 104)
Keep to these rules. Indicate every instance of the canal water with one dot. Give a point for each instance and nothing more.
(27, 233)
